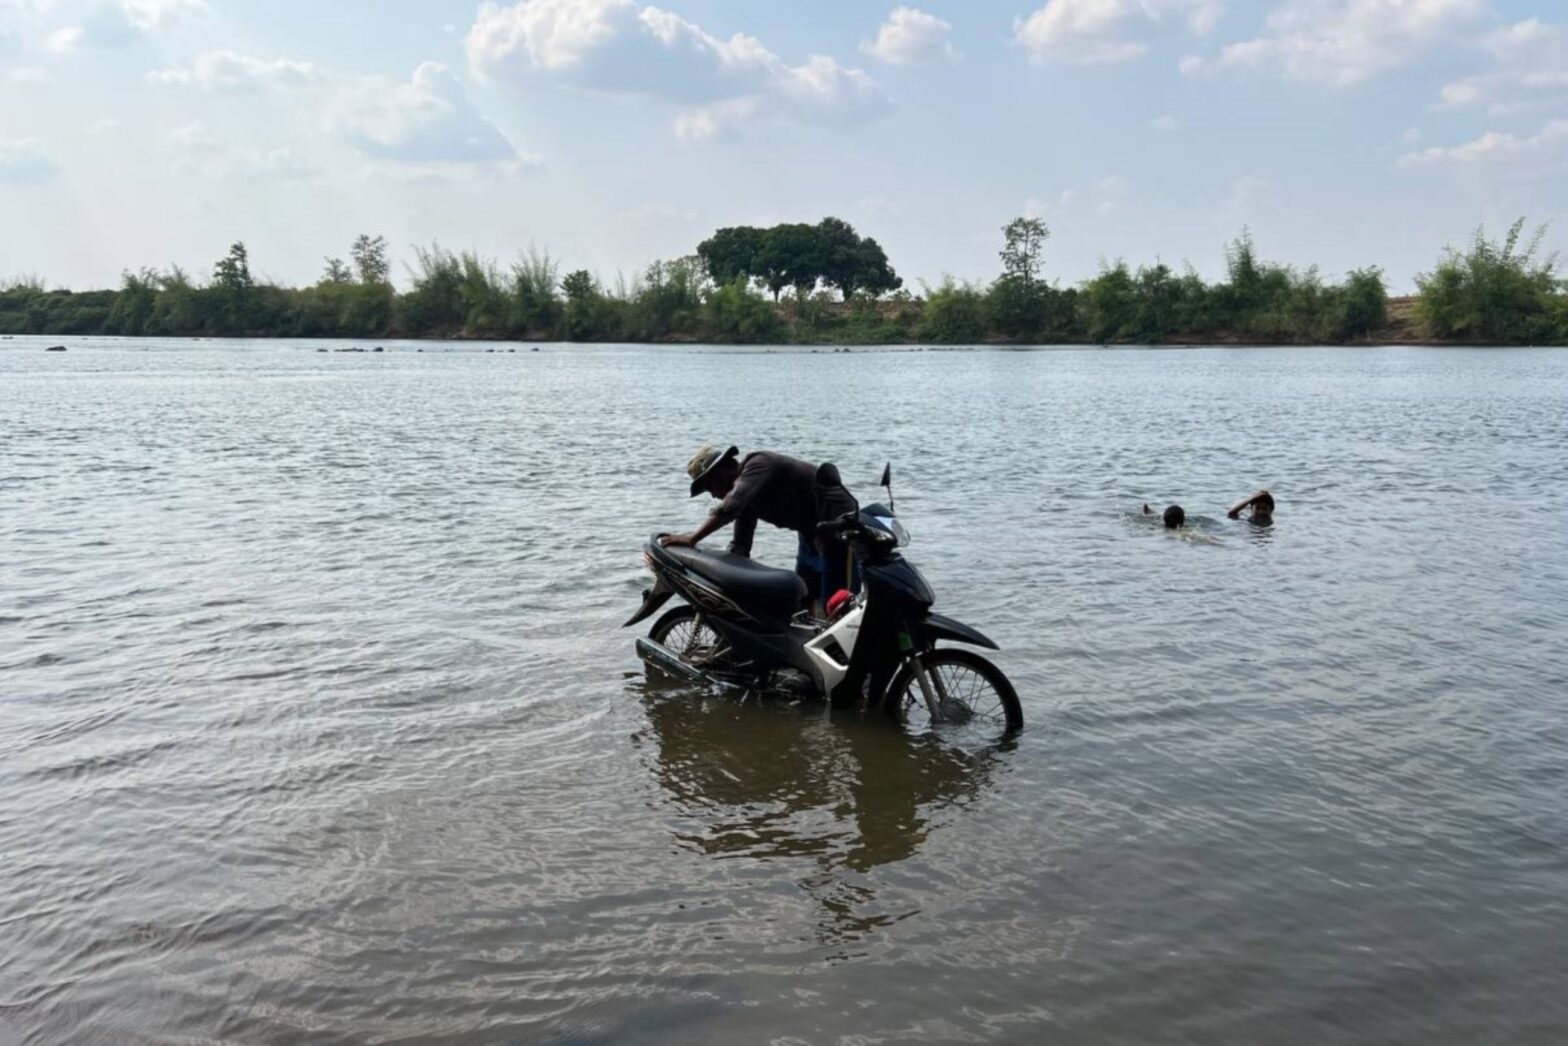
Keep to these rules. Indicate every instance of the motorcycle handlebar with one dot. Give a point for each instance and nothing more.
(834, 527)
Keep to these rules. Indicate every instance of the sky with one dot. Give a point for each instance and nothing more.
(611, 133)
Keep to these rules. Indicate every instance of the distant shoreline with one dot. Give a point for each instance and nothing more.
(1399, 328)
(841, 292)
(476, 343)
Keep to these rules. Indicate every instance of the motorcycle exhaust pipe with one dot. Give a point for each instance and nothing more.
(665, 659)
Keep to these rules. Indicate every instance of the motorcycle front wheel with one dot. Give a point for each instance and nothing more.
(971, 693)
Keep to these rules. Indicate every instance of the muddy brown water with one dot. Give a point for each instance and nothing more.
(316, 723)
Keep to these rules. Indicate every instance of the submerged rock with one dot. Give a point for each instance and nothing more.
(55, 348)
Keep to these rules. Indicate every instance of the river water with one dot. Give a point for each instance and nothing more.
(316, 721)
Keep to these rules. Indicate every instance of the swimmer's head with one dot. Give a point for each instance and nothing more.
(1263, 508)
(1174, 517)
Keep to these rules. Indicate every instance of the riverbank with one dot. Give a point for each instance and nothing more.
(1401, 328)
(1493, 295)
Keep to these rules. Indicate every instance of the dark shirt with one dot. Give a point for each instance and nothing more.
(775, 488)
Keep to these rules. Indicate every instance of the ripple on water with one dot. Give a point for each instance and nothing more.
(316, 721)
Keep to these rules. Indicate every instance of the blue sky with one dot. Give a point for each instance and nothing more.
(614, 132)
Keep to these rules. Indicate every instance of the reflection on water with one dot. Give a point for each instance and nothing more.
(765, 777)
(315, 723)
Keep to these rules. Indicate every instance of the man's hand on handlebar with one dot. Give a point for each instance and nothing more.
(834, 527)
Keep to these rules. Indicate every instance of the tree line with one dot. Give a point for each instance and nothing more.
(841, 289)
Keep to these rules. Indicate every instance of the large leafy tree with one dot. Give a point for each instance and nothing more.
(799, 256)
(853, 263)
(839, 247)
(731, 254)
(791, 256)
(872, 274)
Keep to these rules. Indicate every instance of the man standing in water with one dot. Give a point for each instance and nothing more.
(1262, 506)
(780, 490)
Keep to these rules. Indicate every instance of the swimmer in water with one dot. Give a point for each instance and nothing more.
(1173, 517)
(1262, 509)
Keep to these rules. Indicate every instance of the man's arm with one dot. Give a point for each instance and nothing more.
(709, 525)
(1247, 503)
(753, 474)
(745, 530)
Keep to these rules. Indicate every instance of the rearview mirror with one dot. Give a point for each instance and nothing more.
(887, 476)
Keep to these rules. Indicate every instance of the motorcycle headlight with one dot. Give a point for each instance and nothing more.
(900, 533)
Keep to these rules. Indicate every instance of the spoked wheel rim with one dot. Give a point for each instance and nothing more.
(973, 696)
(691, 640)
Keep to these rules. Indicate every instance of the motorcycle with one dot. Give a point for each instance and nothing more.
(741, 625)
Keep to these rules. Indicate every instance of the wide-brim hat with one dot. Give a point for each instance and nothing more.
(703, 463)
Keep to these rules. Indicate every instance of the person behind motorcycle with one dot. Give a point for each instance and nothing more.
(780, 490)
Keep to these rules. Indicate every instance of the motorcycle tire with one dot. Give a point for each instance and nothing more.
(677, 623)
(906, 703)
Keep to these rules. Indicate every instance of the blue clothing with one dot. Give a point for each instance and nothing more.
(828, 570)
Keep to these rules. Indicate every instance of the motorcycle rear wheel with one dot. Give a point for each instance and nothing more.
(976, 689)
(689, 639)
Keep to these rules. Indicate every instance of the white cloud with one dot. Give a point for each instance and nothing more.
(23, 160)
(1166, 124)
(230, 73)
(65, 39)
(912, 37)
(201, 152)
(195, 138)
(425, 120)
(1523, 154)
(825, 85)
(1085, 32)
(554, 34)
(719, 122)
(75, 26)
(428, 119)
(1343, 42)
(615, 46)
(1531, 68)
(154, 15)
(29, 74)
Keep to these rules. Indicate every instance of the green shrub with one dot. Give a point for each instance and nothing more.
(734, 313)
(1361, 305)
(955, 314)
(1499, 292)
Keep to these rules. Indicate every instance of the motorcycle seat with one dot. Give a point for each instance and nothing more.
(766, 591)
